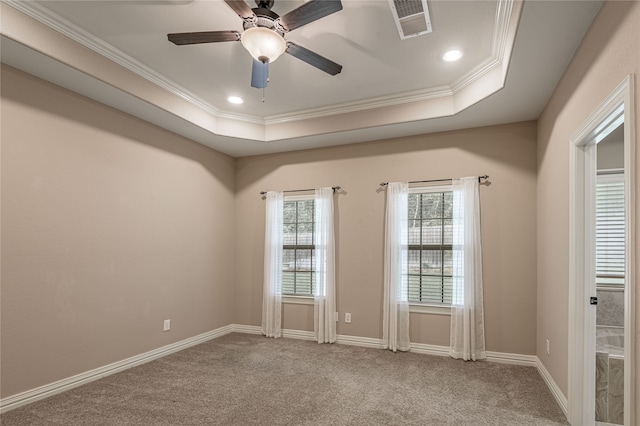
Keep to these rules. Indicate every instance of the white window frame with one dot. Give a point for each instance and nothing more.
(429, 308)
(298, 299)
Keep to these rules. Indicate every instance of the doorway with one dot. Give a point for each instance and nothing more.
(601, 271)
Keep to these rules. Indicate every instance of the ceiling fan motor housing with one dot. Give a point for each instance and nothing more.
(264, 18)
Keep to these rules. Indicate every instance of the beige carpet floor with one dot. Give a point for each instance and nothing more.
(242, 379)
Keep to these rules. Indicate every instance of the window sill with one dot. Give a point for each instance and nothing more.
(430, 309)
(298, 300)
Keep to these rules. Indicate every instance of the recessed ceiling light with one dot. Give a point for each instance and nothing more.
(235, 100)
(452, 55)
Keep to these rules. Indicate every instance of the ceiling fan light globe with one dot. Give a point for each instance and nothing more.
(263, 43)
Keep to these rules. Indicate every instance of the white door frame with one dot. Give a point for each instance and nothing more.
(581, 395)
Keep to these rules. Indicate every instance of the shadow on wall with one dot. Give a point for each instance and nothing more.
(479, 142)
(74, 107)
(577, 72)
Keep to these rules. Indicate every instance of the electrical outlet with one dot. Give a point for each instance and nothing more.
(547, 346)
(347, 318)
(167, 325)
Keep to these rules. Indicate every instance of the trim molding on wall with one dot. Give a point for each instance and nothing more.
(51, 389)
(582, 318)
(561, 399)
(59, 386)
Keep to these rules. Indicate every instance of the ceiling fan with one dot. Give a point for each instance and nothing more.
(263, 35)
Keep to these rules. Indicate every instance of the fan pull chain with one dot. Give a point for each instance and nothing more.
(264, 91)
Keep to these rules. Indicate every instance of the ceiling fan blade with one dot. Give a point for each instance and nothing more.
(309, 12)
(203, 37)
(313, 59)
(241, 8)
(259, 74)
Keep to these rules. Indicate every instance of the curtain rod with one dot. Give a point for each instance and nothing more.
(435, 180)
(335, 188)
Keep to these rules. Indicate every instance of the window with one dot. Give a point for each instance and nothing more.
(610, 244)
(298, 246)
(429, 259)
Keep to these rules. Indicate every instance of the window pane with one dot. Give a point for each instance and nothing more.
(432, 231)
(448, 231)
(429, 262)
(414, 206)
(432, 262)
(288, 283)
(448, 204)
(303, 282)
(432, 289)
(414, 261)
(289, 234)
(414, 288)
(297, 262)
(289, 211)
(415, 227)
(303, 260)
(305, 211)
(432, 205)
(288, 260)
(305, 234)
(447, 283)
(447, 269)
(610, 230)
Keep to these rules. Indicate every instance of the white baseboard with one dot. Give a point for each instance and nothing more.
(51, 389)
(290, 334)
(422, 348)
(247, 329)
(516, 359)
(298, 334)
(23, 398)
(365, 342)
(553, 387)
(370, 342)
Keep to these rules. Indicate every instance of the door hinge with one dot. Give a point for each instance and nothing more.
(593, 300)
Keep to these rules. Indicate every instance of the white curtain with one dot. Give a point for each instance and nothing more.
(273, 240)
(467, 312)
(395, 319)
(324, 290)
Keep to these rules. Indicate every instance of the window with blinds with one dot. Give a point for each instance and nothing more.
(429, 267)
(298, 246)
(610, 230)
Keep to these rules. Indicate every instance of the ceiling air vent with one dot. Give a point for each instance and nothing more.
(412, 17)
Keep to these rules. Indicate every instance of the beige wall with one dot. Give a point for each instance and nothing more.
(109, 226)
(507, 153)
(608, 53)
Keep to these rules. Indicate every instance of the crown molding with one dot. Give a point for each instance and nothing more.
(363, 105)
(61, 25)
(502, 39)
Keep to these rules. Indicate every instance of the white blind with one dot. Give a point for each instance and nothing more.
(610, 230)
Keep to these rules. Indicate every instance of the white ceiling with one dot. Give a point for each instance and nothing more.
(514, 55)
